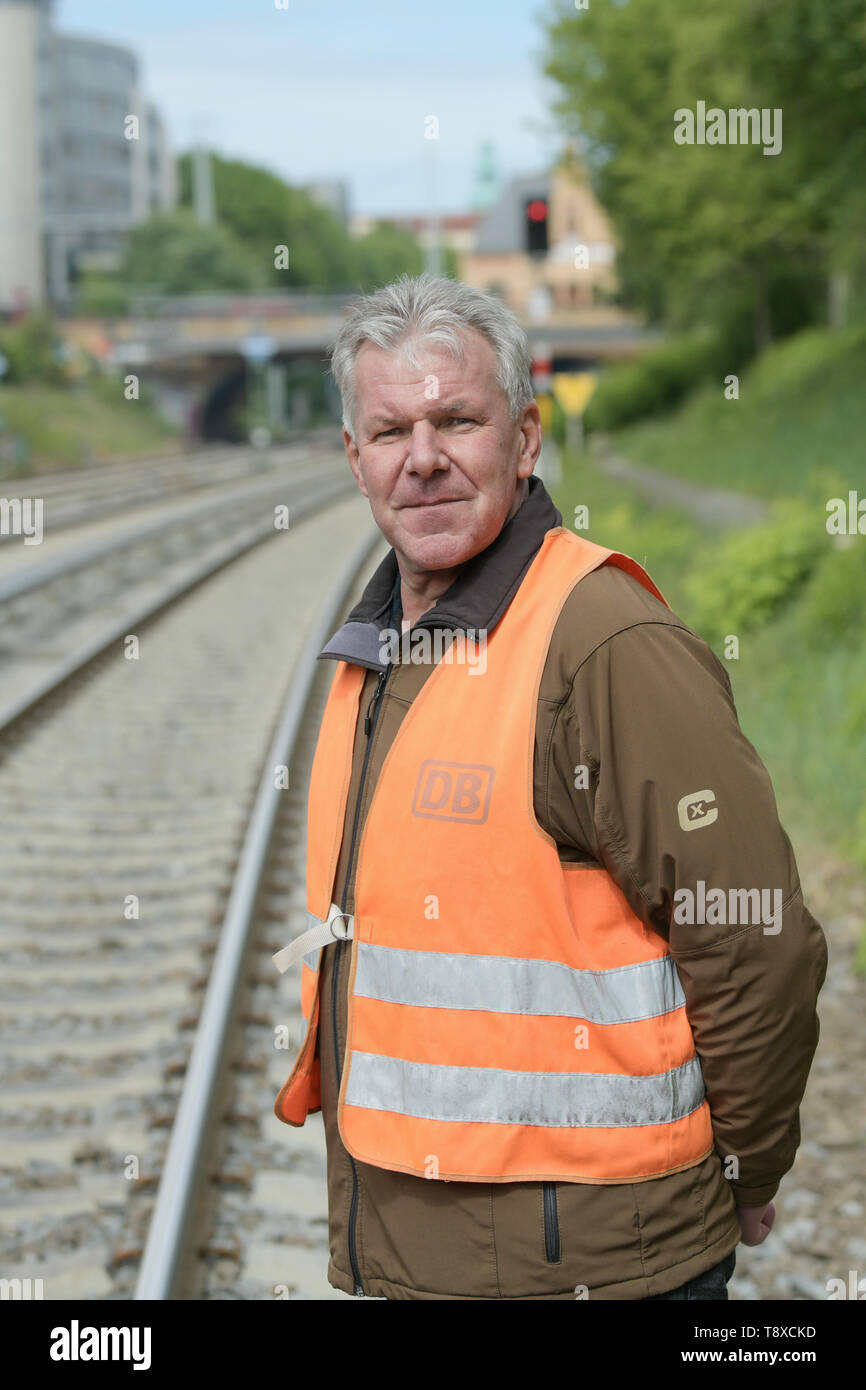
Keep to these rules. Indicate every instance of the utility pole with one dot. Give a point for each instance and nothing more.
(202, 179)
(433, 258)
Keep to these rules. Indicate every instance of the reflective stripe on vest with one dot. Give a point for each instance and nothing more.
(481, 1095)
(510, 1017)
(511, 985)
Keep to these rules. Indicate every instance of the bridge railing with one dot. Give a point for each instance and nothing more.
(268, 304)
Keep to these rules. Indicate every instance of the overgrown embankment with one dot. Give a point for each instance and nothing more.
(783, 602)
(63, 427)
(60, 408)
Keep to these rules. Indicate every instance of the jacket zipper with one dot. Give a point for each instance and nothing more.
(552, 1250)
(341, 946)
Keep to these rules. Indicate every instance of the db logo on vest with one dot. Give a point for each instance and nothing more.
(453, 791)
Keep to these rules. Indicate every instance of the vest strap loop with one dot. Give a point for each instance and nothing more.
(339, 926)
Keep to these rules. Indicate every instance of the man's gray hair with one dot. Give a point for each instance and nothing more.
(431, 309)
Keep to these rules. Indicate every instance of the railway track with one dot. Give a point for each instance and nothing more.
(125, 795)
(81, 495)
(55, 608)
(240, 1213)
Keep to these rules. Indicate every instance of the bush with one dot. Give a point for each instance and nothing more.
(755, 573)
(102, 296)
(654, 383)
(834, 605)
(31, 349)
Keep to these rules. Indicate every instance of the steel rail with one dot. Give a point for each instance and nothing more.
(22, 705)
(94, 477)
(180, 1183)
(31, 577)
(81, 495)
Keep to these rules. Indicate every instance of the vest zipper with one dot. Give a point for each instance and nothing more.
(368, 723)
(341, 946)
(552, 1251)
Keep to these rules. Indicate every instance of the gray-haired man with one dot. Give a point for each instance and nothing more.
(639, 773)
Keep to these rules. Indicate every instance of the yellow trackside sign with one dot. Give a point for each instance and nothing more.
(573, 390)
(545, 411)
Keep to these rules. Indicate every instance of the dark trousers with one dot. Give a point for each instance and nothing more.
(711, 1284)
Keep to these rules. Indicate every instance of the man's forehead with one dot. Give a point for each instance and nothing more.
(383, 375)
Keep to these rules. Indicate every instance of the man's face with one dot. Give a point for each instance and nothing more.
(436, 451)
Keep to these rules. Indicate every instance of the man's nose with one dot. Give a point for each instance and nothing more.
(425, 449)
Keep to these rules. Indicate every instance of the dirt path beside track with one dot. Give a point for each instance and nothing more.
(714, 506)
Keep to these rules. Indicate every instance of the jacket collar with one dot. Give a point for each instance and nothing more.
(477, 599)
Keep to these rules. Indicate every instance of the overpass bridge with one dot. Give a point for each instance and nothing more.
(219, 362)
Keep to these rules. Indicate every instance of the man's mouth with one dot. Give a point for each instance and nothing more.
(437, 502)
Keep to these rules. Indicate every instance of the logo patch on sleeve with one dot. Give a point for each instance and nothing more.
(697, 809)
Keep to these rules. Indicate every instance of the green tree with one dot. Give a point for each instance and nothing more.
(383, 254)
(813, 63)
(264, 213)
(172, 253)
(32, 348)
(708, 232)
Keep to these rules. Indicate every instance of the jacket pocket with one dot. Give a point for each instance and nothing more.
(552, 1250)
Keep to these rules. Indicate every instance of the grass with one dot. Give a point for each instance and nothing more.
(67, 428)
(799, 705)
(800, 679)
(800, 415)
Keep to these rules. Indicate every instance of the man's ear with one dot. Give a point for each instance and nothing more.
(530, 440)
(354, 456)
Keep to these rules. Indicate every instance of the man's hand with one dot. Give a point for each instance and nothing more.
(756, 1223)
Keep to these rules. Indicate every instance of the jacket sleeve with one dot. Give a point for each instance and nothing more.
(677, 797)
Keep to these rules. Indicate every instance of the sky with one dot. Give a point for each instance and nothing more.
(342, 88)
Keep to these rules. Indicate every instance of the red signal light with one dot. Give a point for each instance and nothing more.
(536, 211)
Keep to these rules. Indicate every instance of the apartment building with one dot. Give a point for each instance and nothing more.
(85, 156)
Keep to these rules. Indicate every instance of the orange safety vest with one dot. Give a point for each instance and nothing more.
(510, 1017)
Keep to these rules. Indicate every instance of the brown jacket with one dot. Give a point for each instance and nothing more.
(635, 697)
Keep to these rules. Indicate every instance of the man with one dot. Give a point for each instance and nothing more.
(558, 1049)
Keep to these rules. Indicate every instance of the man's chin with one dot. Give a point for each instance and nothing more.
(438, 551)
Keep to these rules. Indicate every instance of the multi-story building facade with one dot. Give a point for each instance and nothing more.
(574, 273)
(86, 159)
(455, 230)
(24, 44)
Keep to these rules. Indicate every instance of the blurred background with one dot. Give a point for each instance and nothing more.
(192, 190)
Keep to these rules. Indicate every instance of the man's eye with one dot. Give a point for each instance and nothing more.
(450, 420)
